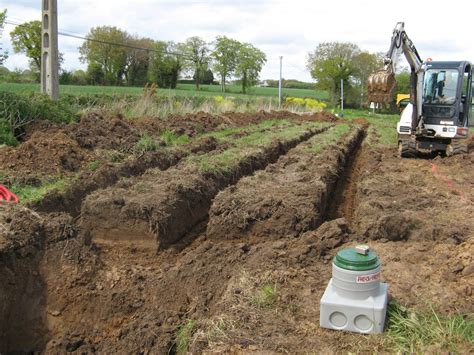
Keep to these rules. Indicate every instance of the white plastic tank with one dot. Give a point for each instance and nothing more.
(355, 300)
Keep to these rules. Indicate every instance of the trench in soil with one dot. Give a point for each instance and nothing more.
(342, 201)
(30, 317)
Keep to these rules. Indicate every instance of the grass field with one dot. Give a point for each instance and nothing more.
(182, 90)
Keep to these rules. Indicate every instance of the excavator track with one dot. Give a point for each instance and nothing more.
(456, 148)
(407, 149)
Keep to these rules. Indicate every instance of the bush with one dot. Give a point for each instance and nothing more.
(16, 111)
(310, 104)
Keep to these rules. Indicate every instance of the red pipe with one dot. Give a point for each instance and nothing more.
(7, 196)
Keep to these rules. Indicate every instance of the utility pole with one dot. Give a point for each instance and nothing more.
(279, 84)
(342, 98)
(49, 49)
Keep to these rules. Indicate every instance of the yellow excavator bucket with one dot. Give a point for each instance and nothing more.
(381, 86)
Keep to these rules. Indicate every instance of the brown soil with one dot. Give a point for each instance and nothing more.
(164, 206)
(65, 292)
(290, 197)
(45, 154)
(193, 123)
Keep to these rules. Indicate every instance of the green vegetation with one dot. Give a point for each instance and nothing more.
(171, 139)
(266, 297)
(383, 128)
(17, 110)
(146, 144)
(93, 165)
(247, 145)
(321, 141)
(333, 62)
(181, 90)
(183, 336)
(413, 331)
(28, 193)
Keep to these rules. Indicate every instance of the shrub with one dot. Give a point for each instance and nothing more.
(307, 103)
(16, 111)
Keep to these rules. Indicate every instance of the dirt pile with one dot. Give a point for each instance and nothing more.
(45, 154)
(96, 132)
(288, 198)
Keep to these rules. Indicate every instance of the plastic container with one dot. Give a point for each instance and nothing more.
(355, 299)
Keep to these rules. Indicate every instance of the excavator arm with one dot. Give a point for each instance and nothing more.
(381, 85)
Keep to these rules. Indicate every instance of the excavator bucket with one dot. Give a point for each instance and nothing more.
(381, 86)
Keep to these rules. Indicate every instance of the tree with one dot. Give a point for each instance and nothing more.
(366, 64)
(137, 62)
(225, 59)
(332, 62)
(164, 66)
(4, 55)
(26, 39)
(250, 63)
(95, 74)
(112, 59)
(196, 57)
(207, 77)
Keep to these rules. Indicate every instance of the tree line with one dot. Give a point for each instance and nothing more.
(115, 57)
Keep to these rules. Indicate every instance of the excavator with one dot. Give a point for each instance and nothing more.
(437, 118)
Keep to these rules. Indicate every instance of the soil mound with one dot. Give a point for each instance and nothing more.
(94, 131)
(45, 154)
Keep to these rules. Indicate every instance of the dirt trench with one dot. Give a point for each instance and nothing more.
(290, 197)
(162, 206)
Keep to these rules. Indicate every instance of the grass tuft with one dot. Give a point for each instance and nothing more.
(266, 297)
(183, 336)
(28, 193)
(413, 331)
(146, 144)
(171, 139)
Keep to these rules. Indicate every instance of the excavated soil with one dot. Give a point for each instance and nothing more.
(290, 197)
(74, 287)
(163, 206)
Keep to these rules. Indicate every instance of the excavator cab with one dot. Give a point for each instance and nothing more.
(447, 93)
(446, 109)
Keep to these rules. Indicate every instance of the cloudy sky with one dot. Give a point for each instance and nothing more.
(287, 28)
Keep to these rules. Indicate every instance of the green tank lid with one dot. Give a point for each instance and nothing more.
(351, 259)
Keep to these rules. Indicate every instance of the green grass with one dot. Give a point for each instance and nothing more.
(146, 144)
(266, 296)
(321, 141)
(412, 331)
(247, 145)
(29, 193)
(384, 126)
(181, 90)
(183, 336)
(170, 139)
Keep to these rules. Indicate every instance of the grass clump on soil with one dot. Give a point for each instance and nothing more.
(412, 331)
(330, 136)
(266, 297)
(146, 144)
(28, 193)
(171, 139)
(93, 165)
(184, 335)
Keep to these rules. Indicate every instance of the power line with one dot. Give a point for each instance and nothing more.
(81, 37)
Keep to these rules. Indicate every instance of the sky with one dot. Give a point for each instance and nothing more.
(290, 29)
